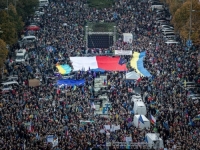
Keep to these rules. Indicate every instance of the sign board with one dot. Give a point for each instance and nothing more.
(33, 82)
(123, 52)
(189, 43)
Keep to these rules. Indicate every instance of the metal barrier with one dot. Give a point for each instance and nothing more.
(129, 144)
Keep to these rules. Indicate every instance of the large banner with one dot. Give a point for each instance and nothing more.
(123, 52)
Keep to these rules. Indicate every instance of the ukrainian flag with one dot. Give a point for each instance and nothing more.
(64, 69)
(137, 64)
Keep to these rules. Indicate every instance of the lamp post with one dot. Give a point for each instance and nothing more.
(190, 27)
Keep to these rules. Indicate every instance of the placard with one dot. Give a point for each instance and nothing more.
(33, 82)
(107, 127)
(117, 127)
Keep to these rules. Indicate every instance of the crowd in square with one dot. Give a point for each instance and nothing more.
(29, 114)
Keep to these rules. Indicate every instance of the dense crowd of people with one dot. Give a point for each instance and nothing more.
(29, 114)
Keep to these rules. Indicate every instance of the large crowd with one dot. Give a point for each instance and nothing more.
(29, 114)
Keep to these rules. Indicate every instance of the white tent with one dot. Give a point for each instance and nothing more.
(132, 76)
(139, 124)
(140, 108)
(153, 140)
(128, 37)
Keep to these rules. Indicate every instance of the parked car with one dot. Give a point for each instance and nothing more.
(166, 26)
(33, 27)
(171, 42)
(39, 13)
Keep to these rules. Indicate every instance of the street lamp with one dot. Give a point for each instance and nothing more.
(190, 27)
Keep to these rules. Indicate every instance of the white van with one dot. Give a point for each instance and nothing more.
(159, 6)
(171, 42)
(140, 108)
(169, 35)
(28, 39)
(6, 86)
(43, 3)
(21, 56)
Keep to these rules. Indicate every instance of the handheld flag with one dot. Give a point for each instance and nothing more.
(104, 82)
(83, 90)
(146, 140)
(152, 119)
(74, 87)
(37, 136)
(66, 132)
(166, 126)
(191, 123)
(92, 105)
(186, 113)
(122, 61)
(30, 128)
(140, 120)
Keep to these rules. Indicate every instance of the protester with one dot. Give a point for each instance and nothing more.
(29, 114)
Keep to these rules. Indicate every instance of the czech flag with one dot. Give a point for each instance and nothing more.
(97, 63)
(152, 119)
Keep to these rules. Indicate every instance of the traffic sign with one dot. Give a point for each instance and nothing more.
(189, 43)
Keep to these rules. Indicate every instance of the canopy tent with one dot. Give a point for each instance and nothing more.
(132, 76)
(70, 82)
(99, 63)
(137, 64)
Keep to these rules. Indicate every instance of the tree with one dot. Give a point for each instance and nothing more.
(3, 52)
(15, 18)
(181, 21)
(8, 28)
(26, 8)
(174, 5)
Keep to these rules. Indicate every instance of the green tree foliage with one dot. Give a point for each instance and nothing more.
(15, 18)
(26, 8)
(181, 20)
(8, 27)
(3, 52)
